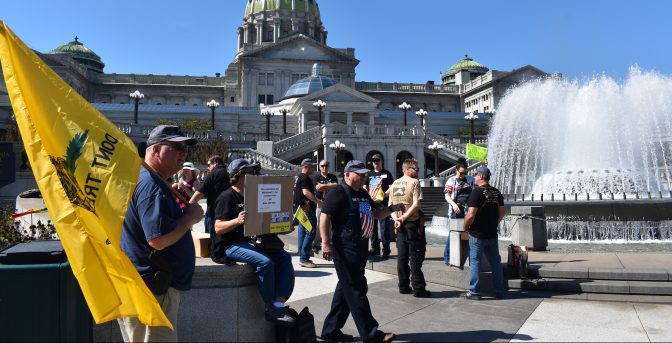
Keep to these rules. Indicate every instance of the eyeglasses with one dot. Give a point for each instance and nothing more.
(176, 146)
(375, 160)
(414, 168)
(324, 165)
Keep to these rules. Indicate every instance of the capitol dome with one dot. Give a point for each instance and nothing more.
(80, 53)
(311, 84)
(308, 7)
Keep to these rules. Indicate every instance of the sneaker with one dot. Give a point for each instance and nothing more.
(279, 316)
(308, 264)
(385, 257)
(405, 290)
(471, 296)
(374, 252)
(389, 337)
(422, 294)
(337, 337)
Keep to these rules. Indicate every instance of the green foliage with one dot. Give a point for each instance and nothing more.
(191, 124)
(465, 131)
(11, 232)
(200, 153)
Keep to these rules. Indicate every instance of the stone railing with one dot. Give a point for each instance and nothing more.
(588, 196)
(142, 132)
(477, 82)
(267, 162)
(373, 130)
(296, 141)
(448, 143)
(163, 79)
(405, 87)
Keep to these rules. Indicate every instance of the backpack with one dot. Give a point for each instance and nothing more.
(302, 331)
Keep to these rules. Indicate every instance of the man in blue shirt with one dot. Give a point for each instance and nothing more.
(155, 233)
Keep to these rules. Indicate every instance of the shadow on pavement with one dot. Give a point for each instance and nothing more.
(466, 336)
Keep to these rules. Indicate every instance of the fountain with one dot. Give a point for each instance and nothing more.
(597, 154)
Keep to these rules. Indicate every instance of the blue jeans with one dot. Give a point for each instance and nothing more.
(490, 248)
(306, 238)
(209, 223)
(274, 271)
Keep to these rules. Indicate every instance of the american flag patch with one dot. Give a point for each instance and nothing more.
(366, 218)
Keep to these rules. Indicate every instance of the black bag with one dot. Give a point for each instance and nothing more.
(302, 331)
(269, 243)
(517, 261)
(160, 280)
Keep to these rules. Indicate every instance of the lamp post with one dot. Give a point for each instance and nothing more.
(136, 96)
(268, 114)
(404, 107)
(435, 147)
(421, 114)
(284, 112)
(471, 117)
(319, 104)
(336, 146)
(213, 105)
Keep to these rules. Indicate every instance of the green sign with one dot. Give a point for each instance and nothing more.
(475, 152)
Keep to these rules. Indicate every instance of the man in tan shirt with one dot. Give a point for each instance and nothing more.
(411, 242)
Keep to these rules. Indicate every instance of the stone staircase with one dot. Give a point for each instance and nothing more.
(656, 282)
(269, 163)
(298, 145)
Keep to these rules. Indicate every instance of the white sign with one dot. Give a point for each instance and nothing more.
(269, 198)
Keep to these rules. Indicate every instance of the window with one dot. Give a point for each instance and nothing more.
(265, 79)
(268, 37)
(266, 99)
(233, 99)
(297, 77)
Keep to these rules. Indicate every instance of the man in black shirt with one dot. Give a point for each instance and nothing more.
(212, 186)
(486, 210)
(274, 269)
(304, 196)
(349, 212)
(378, 185)
(324, 181)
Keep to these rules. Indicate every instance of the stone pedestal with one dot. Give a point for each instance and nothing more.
(265, 147)
(459, 246)
(529, 228)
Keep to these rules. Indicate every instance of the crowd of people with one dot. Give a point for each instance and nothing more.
(348, 223)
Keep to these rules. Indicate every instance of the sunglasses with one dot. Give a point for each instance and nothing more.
(415, 168)
(324, 165)
(176, 146)
(375, 160)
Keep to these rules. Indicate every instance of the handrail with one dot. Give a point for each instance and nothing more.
(295, 141)
(268, 162)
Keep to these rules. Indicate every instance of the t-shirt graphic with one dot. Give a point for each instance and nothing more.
(375, 188)
(366, 218)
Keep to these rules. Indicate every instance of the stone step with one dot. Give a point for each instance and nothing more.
(594, 286)
(600, 273)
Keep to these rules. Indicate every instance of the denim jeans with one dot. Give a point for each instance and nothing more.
(209, 223)
(490, 248)
(274, 271)
(306, 238)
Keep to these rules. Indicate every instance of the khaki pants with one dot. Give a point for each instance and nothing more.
(134, 331)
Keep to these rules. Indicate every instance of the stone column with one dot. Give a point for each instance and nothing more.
(246, 33)
(260, 32)
(349, 118)
(371, 118)
(243, 84)
(327, 117)
(276, 29)
(241, 38)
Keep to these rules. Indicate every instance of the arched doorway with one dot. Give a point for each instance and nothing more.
(344, 156)
(401, 157)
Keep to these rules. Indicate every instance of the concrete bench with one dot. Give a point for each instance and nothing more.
(224, 304)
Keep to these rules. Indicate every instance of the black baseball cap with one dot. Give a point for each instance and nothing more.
(355, 166)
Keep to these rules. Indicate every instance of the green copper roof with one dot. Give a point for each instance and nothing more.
(81, 54)
(257, 6)
(467, 63)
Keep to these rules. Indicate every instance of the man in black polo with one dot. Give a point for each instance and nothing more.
(323, 181)
(216, 182)
(304, 196)
(349, 212)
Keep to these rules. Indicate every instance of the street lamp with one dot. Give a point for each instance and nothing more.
(421, 114)
(471, 117)
(405, 107)
(435, 147)
(213, 105)
(284, 112)
(136, 96)
(268, 114)
(319, 104)
(336, 146)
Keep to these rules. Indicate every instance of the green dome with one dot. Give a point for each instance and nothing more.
(259, 6)
(81, 54)
(468, 64)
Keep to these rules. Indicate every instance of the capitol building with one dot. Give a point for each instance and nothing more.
(282, 71)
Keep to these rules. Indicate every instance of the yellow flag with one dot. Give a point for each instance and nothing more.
(302, 217)
(86, 169)
(475, 152)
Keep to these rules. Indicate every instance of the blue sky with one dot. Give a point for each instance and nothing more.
(395, 40)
